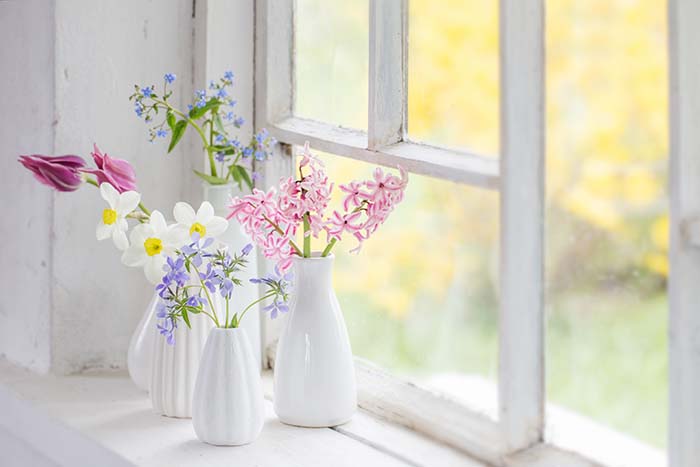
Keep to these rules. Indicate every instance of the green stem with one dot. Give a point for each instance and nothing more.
(199, 130)
(307, 236)
(92, 182)
(144, 209)
(264, 297)
(226, 322)
(211, 303)
(329, 247)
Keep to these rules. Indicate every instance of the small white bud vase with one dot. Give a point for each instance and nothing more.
(228, 407)
(235, 238)
(174, 368)
(140, 353)
(314, 380)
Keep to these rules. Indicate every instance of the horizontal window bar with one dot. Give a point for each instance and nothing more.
(447, 164)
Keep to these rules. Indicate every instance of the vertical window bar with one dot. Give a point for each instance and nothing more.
(388, 37)
(521, 320)
(684, 293)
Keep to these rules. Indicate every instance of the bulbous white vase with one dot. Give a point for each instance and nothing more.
(140, 351)
(219, 196)
(228, 407)
(174, 368)
(314, 381)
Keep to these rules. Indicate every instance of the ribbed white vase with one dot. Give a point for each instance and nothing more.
(140, 351)
(174, 368)
(228, 407)
(235, 238)
(314, 381)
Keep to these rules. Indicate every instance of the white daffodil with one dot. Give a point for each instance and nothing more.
(151, 244)
(113, 223)
(204, 222)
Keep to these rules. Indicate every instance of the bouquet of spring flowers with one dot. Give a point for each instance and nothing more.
(274, 218)
(151, 239)
(212, 117)
(198, 276)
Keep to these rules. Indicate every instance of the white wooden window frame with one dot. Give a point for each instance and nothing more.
(517, 436)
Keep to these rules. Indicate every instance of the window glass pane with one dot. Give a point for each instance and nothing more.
(420, 299)
(453, 93)
(331, 40)
(607, 211)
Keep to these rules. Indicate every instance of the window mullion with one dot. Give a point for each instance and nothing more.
(387, 72)
(684, 294)
(521, 320)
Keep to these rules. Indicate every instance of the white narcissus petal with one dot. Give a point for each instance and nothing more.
(158, 222)
(119, 239)
(205, 213)
(109, 194)
(103, 231)
(184, 214)
(216, 226)
(127, 202)
(140, 233)
(154, 268)
(122, 224)
(175, 237)
(135, 255)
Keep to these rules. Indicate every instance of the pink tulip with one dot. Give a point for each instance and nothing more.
(59, 172)
(117, 172)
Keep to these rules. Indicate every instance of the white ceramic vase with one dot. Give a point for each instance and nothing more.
(174, 368)
(314, 380)
(235, 238)
(228, 407)
(140, 351)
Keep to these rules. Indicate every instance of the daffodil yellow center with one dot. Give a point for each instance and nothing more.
(153, 246)
(199, 228)
(109, 216)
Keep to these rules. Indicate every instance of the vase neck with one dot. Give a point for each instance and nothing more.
(313, 272)
(220, 195)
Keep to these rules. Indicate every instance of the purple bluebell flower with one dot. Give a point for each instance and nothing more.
(247, 152)
(229, 116)
(219, 139)
(169, 78)
(226, 288)
(138, 109)
(161, 309)
(167, 329)
(210, 278)
(232, 103)
(220, 156)
(238, 122)
(277, 306)
(195, 301)
(228, 75)
(247, 249)
(259, 155)
(200, 103)
(161, 133)
(212, 84)
(221, 93)
(235, 143)
(148, 92)
(200, 94)
(175, 272)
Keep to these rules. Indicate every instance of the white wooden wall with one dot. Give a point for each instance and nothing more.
(67, 70)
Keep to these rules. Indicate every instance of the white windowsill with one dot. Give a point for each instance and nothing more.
(102, 419)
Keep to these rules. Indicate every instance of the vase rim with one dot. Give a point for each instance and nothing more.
(218, 329)
(315, 256)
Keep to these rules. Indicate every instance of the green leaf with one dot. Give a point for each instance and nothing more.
(170, 118)
(198, 112)
(219, 124)
(243, 174)
(186, 318)
(178, 131)
(210, 178)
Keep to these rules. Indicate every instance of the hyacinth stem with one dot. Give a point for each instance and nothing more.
(329, 247)
(307, 236)
(281, 232)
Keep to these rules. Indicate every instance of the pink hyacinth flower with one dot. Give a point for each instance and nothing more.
(117, 172)
(59, 172)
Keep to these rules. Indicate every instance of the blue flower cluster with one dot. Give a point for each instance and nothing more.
(198, 272)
